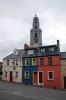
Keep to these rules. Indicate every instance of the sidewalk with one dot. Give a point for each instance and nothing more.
(38, 86)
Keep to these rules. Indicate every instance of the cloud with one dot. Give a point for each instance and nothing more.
(16, 21)
(7, 46)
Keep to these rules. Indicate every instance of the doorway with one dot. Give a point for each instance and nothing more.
(10, 75)
(40, 75)
(65, 82)
(35, 81)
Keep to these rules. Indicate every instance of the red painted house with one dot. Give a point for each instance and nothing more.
(49, 69)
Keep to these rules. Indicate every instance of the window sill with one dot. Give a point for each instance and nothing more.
(26, 65)
(26, 78)
(34, 65)
(50, 79)
(42, 65)
(16, 78)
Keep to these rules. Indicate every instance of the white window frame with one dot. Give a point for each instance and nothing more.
(7, 62)
(42, 50)
(51, 49)
(16, 61)
(26, 62)
(5, 73)
(26, 74)
(15, 52)
(16, 74)
(30, 51)
(34, 63)
(52, 75)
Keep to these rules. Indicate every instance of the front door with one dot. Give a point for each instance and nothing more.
(40, 78)
(64, 82)
(35, 78)
(10, 76)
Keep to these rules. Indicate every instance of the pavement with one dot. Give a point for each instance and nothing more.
(10, 91)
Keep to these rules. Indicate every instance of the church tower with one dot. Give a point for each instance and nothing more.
(35, 33)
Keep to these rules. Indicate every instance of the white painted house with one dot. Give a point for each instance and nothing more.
(12, 66)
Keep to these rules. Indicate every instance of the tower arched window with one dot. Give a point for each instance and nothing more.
(35, 21)
(35, 27)
(35, 35)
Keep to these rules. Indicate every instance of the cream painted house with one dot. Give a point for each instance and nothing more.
(12, 66)
(63, 69)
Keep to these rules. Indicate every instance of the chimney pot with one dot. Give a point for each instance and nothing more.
(57, 42)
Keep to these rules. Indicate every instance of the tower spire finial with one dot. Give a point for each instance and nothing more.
(35, 14)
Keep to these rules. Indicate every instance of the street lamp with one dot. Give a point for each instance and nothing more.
(13, 71)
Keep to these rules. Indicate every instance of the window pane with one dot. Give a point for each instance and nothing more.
(30, 51)
(41, 61)
(27, 75)
(26, 72)
(34, 61)
(35, 27)
(27, 61)
(16, 62)
(35, 35)
(50, 75)
(35, 21)
(5, 74)
(7, 62)
(49, 49)
(16, 74)
(52, 49)
(43, 50)
(50, 61)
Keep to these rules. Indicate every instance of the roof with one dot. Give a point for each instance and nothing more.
(63, 55)
(38, 53)
(19, 55)
(56, 52)
(31, 55)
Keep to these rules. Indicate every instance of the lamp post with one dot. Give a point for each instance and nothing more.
(13, 71)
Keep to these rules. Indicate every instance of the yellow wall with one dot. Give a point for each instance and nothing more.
(63, 71)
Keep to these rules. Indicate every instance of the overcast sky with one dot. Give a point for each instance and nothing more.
(16, 18)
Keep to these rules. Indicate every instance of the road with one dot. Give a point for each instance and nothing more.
(12, 91)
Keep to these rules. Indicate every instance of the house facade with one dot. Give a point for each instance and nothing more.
(12, 66)
(49, 69)
(63, 69)
(41, 66)
(30, 68)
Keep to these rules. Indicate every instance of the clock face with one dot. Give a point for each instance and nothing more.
(35, 40)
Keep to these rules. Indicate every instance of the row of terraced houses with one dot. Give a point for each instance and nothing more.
(36, 64)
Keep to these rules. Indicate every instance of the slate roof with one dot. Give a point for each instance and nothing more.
(31, 55)
(38, 53)
(57, 52)
(19, 55)
(62, 55)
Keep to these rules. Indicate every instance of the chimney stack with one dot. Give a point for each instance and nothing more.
(58, 42)
(26, 46)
